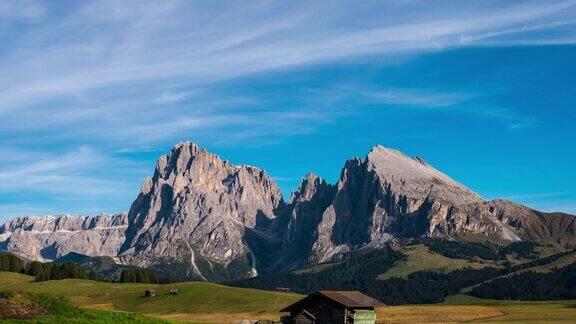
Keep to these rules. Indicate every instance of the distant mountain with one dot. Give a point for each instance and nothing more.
(390, 196)
(51, 237)
(205, 218)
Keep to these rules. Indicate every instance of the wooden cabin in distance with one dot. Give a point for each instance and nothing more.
(338, 307)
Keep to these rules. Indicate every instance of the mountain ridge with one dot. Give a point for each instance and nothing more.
(209, 219)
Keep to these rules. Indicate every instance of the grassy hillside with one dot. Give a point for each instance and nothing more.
(196, 301)
(13, 279)
(561, 262)
(22, 307)
(420, 258)
(212, 303)
(545, 268)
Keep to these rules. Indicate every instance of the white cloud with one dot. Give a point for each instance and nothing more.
(417, 97)
(126, 74)
(67, 175)
(112, 43)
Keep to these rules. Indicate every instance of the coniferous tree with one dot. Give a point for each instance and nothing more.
(93, 275)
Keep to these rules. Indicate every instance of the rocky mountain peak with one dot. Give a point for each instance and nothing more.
(207, 218)
(414, 178)
(309, 186)
(198, 207)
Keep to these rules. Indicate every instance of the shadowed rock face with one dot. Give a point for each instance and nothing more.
(306, 207)
(202, 217)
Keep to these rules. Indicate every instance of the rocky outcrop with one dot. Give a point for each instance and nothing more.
(529, 224)
(50, 237)
(197, 208)
(306, 207)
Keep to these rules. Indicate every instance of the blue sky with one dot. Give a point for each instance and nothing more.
(92, 92)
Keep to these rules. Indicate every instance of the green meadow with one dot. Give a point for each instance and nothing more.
(102, 302)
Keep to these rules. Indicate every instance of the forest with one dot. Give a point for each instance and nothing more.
(360, 272)
(43, 271)
(559, 284)
(472, 250)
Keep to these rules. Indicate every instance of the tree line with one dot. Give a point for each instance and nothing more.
(360, 272)
(10, 262)
(140, 275)
(52, 271)
(472, 250)
(43, 271)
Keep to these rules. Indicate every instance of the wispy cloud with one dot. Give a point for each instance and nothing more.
(67, 174)
(123, 74)
(417, 97)
(76, 58)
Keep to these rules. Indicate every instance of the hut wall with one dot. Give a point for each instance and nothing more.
(325, 312)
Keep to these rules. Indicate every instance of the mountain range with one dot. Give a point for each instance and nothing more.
(202, 217)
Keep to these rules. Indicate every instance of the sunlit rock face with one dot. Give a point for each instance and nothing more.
(390, 196)
(50, 237)
(201, 217)
(199, 207)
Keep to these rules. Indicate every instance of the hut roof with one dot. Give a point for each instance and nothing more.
(348, 299)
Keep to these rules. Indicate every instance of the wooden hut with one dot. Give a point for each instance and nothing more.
(150, 293)
(327, 307)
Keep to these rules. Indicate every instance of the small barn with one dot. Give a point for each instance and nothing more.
(338, 307)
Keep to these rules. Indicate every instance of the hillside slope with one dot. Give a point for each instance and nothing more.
(197, 300)
(234, 304)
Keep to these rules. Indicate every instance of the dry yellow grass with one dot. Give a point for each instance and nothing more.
(213, 318)
(547, 312)
(435, 314)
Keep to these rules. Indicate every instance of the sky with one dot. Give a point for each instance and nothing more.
(92, 92)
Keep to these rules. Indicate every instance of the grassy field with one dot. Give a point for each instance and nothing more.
(197, 301)
(520, 311)
(420, 258)
(212, 303)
